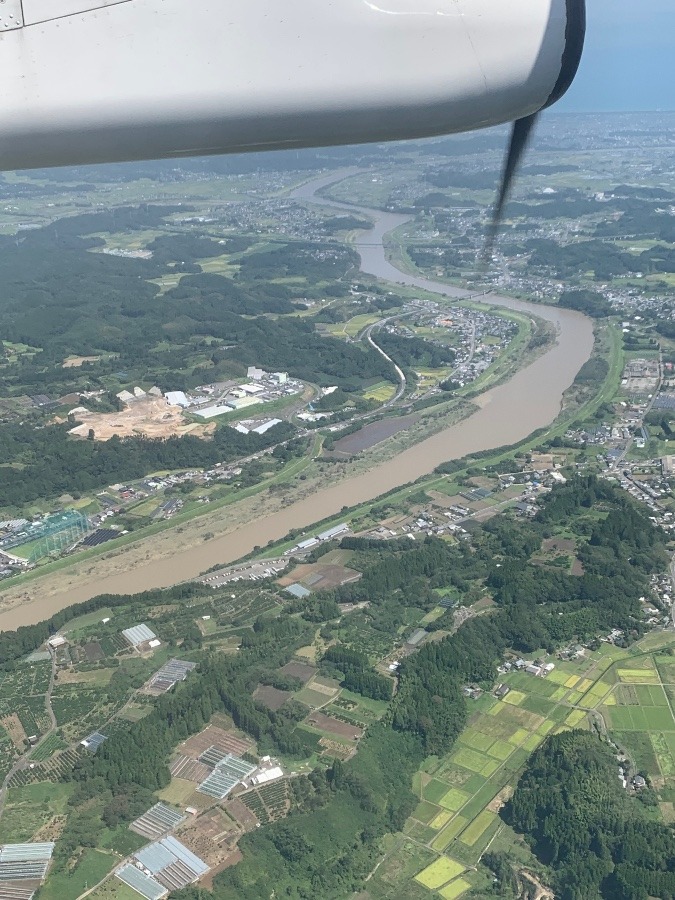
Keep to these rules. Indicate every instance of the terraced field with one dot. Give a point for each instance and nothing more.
(630, 693)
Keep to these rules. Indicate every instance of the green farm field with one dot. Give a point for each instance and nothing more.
(461, 793)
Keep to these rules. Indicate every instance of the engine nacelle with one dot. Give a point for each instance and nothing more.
(143, 79)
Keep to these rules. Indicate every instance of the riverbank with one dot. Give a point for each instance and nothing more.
(506, 414)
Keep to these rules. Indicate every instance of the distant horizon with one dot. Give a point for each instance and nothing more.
(560, 111)
(628, 61)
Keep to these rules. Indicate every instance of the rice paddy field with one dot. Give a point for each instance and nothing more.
(628, 693)
(354, 326)
(382, 391)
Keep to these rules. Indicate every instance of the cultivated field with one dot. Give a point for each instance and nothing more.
(457, 818)
(321, 575)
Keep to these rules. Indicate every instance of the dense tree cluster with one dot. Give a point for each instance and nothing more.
(50, 463)
(580, 821)
(84, 303)
(589, 302)
(412, 352)
(606, 260)
(620, 553)
(356, 673)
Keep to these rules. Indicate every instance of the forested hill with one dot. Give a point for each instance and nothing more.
(599, 841)
(59, 296)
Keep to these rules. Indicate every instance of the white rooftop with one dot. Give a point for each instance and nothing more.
(139, 634)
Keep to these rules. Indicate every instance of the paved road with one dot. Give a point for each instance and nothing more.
(368, 335)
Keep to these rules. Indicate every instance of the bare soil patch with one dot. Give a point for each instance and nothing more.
(14, 728)
(213, 736)
(333, 748)
(198, 801)
(501, 799)
(151, 418)
(373, 434)
(271, 697)
(76, 361)
(325, 685)
(301, 671)
(441, 500)
(557, 548)
(318, 576)
(232, 858)
(334, 726)
(241, 813)
(210, 836)
(52, 831)
(96, 676)
(564, 545)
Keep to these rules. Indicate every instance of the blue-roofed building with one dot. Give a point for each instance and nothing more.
(298, 591)
(167, 864)
(140, 882)
(94, 741)
(226, 776)
(139, 634)
(155, 857)
(332, 533)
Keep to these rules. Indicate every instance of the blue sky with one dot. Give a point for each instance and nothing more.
(629, 60)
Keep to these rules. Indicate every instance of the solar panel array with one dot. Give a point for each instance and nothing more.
(139, 634)
(227, 774)
(164, 866)
(25, 862)
(171, 673)
(157, 821)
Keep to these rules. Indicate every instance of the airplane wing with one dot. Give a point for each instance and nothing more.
(89, 81)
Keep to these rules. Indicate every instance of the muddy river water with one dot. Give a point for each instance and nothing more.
(508, 413)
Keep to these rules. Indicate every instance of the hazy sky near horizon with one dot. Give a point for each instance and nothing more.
(629, 59)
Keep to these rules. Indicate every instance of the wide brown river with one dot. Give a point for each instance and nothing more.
(531, 399)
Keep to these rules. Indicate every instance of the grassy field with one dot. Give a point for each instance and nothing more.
(114, 889)
(460, 794)
(30, 808)
(177, 791)
(355, 325)
(382, 391)
(91, 868)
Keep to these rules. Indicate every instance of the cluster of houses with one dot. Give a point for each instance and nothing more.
(539, 667)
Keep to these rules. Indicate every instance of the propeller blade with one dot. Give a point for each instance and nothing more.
(520, 137)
